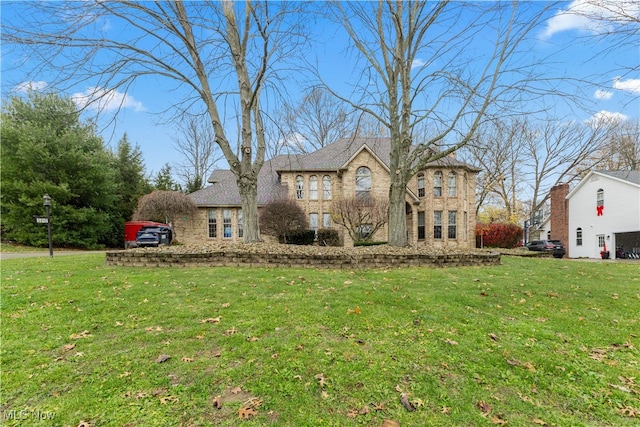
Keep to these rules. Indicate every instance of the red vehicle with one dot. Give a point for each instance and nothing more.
(131, 229)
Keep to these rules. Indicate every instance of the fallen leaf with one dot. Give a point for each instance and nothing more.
(226, 305)
(513, 362)
(236, 390)
(352, 414)
(212, 320)
(483, 406)
(445, 410)
(246, 413)
(253, 339)
(324, 394)
(321, 379)
(498, 420)
(83, 334)
(493, 337)
(168, 399)
(68, 347)
(163, 358)
(530, 366)
(390, 423)
(405, 401)
(364, 410)
(217, 402)
(630, 412)
(187, 359)
(539, 422)
(379, 406)
(451, 342)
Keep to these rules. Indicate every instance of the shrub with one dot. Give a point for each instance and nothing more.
(281, 218)
(497, 235)
(301, 237)
(328, 237)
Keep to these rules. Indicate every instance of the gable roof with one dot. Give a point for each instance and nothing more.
(626, 177)
(223, 190)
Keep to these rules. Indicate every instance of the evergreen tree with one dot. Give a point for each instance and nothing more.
(164, 181)
(47, 149)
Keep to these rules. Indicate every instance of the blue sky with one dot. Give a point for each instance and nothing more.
(566, 35)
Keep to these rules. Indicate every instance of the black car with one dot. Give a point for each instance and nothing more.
(154, 236)
(554, 246)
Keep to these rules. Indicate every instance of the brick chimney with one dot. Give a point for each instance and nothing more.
(560, 214)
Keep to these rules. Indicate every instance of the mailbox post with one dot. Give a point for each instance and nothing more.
(47, 204)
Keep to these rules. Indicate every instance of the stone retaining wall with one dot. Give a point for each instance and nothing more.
(335, 261)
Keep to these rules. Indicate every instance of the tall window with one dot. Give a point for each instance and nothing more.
(421, 231)
(299, 187)
(452, 224)
(421, 192)
(579, 236)
(313, 222)
(452, 184)
(326, 187)
(601, 240)
(213, 228)
(313, 187)
(600, 197)
(226, 223)
(437, 224)
(437, 184)
(240, 229)
(326, 220)
(363, 182)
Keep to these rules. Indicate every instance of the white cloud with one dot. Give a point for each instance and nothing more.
(25, 87)
(606, 118)
(629, 85)
(593, 16)
(417, 63)
(100, 99)
(603, 94)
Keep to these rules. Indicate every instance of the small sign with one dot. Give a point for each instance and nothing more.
(42, 220)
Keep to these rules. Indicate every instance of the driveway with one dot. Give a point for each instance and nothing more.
(13, 255)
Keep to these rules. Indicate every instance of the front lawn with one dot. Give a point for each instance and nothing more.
(529, 342)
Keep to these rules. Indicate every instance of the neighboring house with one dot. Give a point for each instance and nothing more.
(602, 210)
(440, 199)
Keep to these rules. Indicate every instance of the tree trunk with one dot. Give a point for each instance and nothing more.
(397, 211)
(248, 186)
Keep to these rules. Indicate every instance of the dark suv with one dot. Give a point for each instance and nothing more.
(154, 236)
(554, 246)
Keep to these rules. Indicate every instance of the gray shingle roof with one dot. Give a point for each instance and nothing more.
(631, 176)
(223, 190)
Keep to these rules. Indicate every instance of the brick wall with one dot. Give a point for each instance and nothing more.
(560, 214)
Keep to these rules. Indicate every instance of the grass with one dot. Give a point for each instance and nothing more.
(529, 342)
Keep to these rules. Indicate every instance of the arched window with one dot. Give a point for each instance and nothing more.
(421, 192)
(363, 182)
(579, 236)
(313, 187)
(452, 184)
(600, 197)
(299, 187)
(326, 187)
(437, 184)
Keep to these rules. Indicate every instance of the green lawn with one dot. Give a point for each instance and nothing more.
(530, 342)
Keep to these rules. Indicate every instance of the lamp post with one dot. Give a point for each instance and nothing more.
(47, 204)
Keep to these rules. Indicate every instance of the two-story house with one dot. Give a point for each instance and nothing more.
(440, 199)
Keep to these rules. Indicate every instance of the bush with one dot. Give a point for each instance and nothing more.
(281, 218)
(369, 243)
(301, 237)
(497, 235)
(328, 237)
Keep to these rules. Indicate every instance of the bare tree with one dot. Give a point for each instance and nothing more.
(621, 150)
(318, 120)
(362, 217)
(196, 144)
(423, 66)
(219, 55)
(281, 217)
(164, 206)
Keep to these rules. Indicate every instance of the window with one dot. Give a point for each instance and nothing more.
(600, 197)
(326, 220)
(465, 230)
(452, 184)
(213, 229)
(437, 184)
(421, 230)
(437, 224)
(299, 187)
(226, 223)
(326, 187)
(240, 229)
(579, 236)
(421, 192)
(364, 231)
(313, 222)
(363, 182)
(313, 187)
(601, 240)
(452, 225)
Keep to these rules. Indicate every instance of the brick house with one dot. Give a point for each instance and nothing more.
(440, 199)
